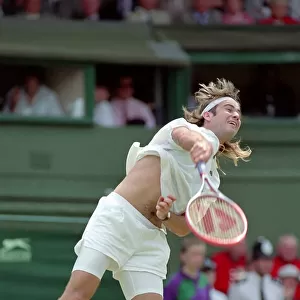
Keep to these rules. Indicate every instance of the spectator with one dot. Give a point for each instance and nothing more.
(289, 276)
(280, 10)
(295, 9)
(189, 283)
(229, 264)
(287, 249)
(90, 10)
(12, 7)
(202, 13)
(12, 99)
(271, 96)
(149, 11)
(103, 111)
(38, 100)
(32, 9)
(234, 13)
(258, 9)
(209, 268)
(129, 109)
(258, 283)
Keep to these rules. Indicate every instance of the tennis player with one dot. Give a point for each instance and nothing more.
(126, 233)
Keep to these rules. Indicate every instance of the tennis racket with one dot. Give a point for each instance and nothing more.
(213, 217)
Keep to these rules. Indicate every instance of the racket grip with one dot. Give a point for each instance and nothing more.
(201, 167)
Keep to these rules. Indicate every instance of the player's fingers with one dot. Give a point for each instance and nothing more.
(172, 198)
(168, 201)
(163, 205)
(161, 198)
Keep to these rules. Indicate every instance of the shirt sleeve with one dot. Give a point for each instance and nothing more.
(181, 122)
(207, 134)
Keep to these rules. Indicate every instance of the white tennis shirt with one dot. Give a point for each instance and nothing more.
(179, 177)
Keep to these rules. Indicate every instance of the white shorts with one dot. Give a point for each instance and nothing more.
(122, 233)
(132, 283)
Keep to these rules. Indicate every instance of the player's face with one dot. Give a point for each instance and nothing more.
(194, 257)
(226, 122)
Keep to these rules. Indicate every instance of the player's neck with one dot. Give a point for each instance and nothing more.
(190, 272)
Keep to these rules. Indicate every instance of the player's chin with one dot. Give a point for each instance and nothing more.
(230, 134)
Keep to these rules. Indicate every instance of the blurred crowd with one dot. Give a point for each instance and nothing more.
(234, 274)
(162, 12)
(113, 108)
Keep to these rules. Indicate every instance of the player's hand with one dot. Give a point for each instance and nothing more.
(163, 206)
(201, 151)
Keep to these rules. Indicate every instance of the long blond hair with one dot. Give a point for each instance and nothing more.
(205, 95)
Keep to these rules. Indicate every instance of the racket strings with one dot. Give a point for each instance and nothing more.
(216, 218)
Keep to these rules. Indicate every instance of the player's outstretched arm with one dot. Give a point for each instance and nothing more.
(175, 223)
(192, 141)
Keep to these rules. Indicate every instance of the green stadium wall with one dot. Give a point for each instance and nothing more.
(52, 177)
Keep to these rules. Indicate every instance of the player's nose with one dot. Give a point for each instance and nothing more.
(236, 115)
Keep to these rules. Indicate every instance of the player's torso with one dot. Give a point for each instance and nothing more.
(163, 168)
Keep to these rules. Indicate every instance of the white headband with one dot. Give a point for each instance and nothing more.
(214, 103)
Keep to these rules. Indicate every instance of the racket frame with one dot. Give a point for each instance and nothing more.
(214, 241)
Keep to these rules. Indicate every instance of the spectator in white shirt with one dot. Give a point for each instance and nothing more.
(103, 111)
(209, 268)
(129, 110)
(38, 100)
(11, 100)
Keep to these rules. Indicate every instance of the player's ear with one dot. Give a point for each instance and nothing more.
(207, 116)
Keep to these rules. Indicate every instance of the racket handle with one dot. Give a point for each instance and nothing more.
(201, 167)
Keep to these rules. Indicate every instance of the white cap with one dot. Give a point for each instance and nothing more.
(288, 271)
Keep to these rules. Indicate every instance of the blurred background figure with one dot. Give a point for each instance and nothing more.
(189, 282)
(286, 253)
(209, 269)
(128, 109)
(289, 276)
(258, 283)
(235, 13)
(103, 111)
(230, 263)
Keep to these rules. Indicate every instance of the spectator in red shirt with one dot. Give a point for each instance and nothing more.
(228, 265)
(287, 249)
(280, 10)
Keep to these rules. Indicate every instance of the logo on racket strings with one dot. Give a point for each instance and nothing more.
(225, 223)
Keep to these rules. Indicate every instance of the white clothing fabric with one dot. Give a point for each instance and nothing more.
(132, 283)
(179, 176)
(250, 288)
(138, 283)
(122, 233)
(76, 109)
(130, 109)
(217, 295)
(104, 114)
(45, 103)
